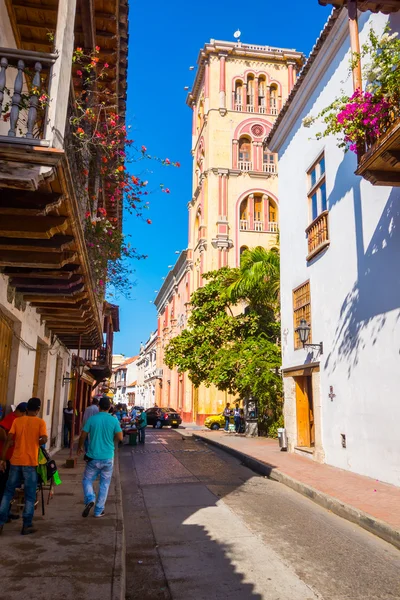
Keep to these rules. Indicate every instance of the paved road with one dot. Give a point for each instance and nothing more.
(200, 526)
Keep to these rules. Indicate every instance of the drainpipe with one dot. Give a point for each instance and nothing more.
(354, 42)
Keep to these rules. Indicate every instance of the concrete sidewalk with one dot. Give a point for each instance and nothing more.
(69, 557)
(373, 505)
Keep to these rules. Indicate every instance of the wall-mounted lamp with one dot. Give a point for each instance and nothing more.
(304, 333)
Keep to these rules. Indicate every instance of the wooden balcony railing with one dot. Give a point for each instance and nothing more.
(379, 158)
(22, 93)
(318, 235)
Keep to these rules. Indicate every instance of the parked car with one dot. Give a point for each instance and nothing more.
(163, 416)
(216, 421)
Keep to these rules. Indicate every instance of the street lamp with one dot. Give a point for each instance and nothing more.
(304, 333)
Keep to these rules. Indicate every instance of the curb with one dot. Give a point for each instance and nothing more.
(118, 585)
(346, 511)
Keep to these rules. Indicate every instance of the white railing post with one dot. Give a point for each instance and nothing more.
(60, 74)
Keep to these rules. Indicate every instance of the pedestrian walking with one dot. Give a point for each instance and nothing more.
(227, 415)
(68, 413)
(103, 431)
(91, 410)
(142, 424)
(236, 418)
(5, 426)
(242, 421)
(28, 433)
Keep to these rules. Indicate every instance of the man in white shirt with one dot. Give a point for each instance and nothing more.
(89, 412)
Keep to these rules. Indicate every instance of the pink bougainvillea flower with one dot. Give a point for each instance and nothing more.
(177, 164)
(149, 221)
(166, 190)
(87, 215)
(106, 65)
(167, 161)
(79, 73)
(97, 48)
(144, 149)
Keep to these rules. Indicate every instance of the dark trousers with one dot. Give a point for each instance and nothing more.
(142, 435)
(237, 424)
(67, 435)
(3, 479)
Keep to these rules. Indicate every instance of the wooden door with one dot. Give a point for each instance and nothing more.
(303, 412)
(56, 403)
(6, 336)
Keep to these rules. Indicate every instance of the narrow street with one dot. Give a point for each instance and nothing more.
(199, 525)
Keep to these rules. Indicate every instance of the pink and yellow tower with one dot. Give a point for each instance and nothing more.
(237, 94)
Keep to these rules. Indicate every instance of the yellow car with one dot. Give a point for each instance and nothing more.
(216, 421)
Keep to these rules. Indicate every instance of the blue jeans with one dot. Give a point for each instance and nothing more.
(227, 421)
(94, 469)
(237, 424)
(67, 435)
(142, 435)
(27, 475)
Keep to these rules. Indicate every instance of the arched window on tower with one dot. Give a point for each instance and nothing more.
(258, 213)
(269, 165)
(250, 93)
(238, 95)
(244, 162)
(197, 223)
(262, 95)
(244, 222)
(273, 99)
(272, 216)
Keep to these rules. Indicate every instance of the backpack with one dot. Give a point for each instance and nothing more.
(47, 466)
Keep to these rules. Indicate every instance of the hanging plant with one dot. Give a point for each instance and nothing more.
(359, 120)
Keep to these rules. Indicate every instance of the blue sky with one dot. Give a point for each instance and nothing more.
(164, 41)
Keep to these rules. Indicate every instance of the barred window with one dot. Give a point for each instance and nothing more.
(301, 310)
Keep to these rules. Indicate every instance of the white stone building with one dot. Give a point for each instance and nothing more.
(148, 375)
(341, 405)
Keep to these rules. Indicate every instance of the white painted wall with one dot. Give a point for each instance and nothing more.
(27, 327)
(355, 284)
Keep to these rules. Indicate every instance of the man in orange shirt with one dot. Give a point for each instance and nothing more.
(28, 433)
(5, 426)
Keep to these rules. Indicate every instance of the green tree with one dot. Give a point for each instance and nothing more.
(235, 351)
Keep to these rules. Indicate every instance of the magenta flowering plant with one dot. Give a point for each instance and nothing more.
(359, 120)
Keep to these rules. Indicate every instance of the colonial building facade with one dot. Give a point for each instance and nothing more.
(56, 331)
(340, 246)
(238, 92)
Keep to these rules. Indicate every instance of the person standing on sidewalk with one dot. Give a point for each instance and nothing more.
(142, 427)
(91, 410)
(227, 415)
(5, 426)
(103, 430)
(68, 415)
(28, 433)
(236, 418)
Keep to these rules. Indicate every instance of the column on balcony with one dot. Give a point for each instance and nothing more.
(266, 212)
(194, 121)
(255, 101)
(244, 96)
(290, 77)
(254, 153)
(60, 75)
(222, 81)
(250, 208)
(267, 99)
(206, 85)
(235, 149)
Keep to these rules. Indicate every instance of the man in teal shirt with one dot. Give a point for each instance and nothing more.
(142, 427)
(103, 430)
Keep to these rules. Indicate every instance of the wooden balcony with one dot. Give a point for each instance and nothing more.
(380, 163)
(42, 200)
(318, 235)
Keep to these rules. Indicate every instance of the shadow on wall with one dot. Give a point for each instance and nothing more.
(377, 289)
